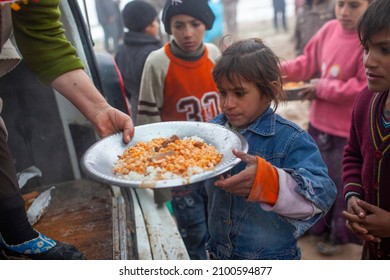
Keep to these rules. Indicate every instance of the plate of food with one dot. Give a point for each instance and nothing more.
(292, 89)
(165, 154)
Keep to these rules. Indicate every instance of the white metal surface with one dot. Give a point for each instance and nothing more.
(161, 230)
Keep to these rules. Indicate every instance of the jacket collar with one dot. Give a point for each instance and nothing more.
(133, 38)
(263, 125)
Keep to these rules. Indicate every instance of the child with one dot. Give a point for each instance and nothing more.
(177, 86)
(366, 162)
(250, 213)
(140, 18)
(335, 53)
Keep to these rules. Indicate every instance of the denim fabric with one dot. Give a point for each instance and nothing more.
(243, 230)
(189, 204)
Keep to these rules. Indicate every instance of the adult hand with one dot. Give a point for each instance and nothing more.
(109, 120)
(241, 183)
(78, 88)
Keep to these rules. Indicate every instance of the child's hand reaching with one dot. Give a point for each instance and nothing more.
(258, 182)
(241, 183)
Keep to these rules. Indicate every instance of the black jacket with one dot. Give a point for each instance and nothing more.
(131, 58)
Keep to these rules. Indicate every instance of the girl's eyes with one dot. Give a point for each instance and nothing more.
(238, 93)
(351, 5)
(385, 50)
(222, 93)
(354, 5)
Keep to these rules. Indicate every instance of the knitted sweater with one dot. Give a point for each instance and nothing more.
(336, 54)
(40, 39)
(366, 162)
(175, 89)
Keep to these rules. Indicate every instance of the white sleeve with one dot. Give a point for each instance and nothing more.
(290, 203)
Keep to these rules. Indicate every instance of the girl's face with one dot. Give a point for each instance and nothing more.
(376, 61)
(243, 103)
(348, 12)
(188, 32)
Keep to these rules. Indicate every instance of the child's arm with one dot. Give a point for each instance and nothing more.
(151, 93)
(272, 187)
(305, 66)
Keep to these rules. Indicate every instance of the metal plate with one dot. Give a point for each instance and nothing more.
(292, 93)
(100, 158)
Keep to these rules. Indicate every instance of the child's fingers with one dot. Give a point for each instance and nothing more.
(367, 206)
(245, 157)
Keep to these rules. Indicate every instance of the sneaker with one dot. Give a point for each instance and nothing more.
(328, 249)
(42, 248)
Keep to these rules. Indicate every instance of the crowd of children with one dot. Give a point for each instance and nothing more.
(284, 164)
(334, 174)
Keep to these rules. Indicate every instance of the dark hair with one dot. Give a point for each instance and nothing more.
(309, 3)
(375, 19)
(252, 61)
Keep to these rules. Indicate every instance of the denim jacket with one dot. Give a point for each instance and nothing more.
(243, 230)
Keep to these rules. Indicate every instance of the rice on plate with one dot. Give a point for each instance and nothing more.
(166, 158)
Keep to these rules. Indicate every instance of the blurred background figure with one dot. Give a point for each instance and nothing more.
(216, 32)
(141, 20)
(158, 4)
(310, 17)
(298, 4)
(280, 9)
(230, 15)
(110, 19)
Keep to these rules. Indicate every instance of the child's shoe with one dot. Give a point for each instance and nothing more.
(328, 249)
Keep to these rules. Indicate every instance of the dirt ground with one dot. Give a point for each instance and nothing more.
(297, 111)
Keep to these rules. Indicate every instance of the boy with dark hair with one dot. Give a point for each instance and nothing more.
(366, 162)
(177, 86)
(140, 18)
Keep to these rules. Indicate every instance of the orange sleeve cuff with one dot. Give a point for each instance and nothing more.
(265, 188)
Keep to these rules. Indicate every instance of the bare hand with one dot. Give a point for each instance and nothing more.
(309, 92)
(109, 120)
(368, 221)
(377, 222)
(241, 183)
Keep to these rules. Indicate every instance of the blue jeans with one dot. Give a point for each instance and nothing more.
(189, 204)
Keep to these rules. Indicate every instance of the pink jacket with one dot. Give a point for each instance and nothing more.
(337, 56)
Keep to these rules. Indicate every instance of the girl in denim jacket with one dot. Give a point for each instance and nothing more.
(281, 187)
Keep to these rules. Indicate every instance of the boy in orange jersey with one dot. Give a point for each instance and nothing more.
(177, 86)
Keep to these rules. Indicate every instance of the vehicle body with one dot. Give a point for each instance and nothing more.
(47, 131)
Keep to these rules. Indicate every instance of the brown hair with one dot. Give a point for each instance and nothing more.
(251, 60)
